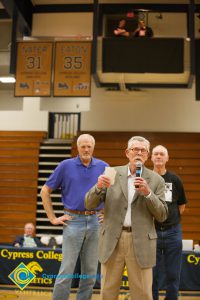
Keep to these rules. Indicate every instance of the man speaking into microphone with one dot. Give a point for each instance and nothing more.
(128, 235)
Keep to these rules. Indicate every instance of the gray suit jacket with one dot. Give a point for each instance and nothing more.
(143, 213)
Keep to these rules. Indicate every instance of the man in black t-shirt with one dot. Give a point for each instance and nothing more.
(169, 242)
(121, 29)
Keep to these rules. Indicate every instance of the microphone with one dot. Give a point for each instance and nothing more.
(138, 171)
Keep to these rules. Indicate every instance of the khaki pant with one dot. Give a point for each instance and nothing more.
(140, 280)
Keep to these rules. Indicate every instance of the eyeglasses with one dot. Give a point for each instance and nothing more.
(137, 150)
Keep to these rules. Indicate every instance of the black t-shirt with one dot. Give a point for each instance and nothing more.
(174, 196)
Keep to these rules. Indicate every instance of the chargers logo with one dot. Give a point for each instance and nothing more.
(21, 276)
(34, 267)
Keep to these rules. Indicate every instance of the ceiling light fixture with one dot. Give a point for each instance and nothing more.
(7, 79)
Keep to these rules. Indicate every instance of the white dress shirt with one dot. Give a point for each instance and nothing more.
(131, 192)
(29, 242)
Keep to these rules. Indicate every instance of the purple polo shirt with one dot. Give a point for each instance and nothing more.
(75, 180)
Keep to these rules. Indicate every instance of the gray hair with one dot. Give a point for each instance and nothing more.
(139, 139)
(85, 136)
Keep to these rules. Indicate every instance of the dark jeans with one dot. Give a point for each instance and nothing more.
(169, 249)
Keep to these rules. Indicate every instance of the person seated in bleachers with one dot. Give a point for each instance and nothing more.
(28, 239)
(121, 29)
(143, 30)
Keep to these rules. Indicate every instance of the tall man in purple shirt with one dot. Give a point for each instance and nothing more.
(75, 177)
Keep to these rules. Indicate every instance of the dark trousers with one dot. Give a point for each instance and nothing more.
(169, 249)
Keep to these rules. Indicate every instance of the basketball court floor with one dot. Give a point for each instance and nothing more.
(11, 293)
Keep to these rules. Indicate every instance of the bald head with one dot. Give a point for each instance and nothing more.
(159, 157)
(161, 149)
(29, 229)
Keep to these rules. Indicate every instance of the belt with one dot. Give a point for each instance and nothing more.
(81, 212)
(127, 228)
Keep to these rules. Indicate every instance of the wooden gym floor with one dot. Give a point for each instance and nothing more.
(11, 293)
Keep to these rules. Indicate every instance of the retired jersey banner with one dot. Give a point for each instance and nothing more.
(72, 74)
(33, 71)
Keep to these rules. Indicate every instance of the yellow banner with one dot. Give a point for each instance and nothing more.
(33, 71)
(72, 73)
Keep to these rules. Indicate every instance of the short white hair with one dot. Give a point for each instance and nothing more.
(85, 136)
(139, 139)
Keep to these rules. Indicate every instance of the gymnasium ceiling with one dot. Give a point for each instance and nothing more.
(54, 5)
(48, 2)
(27, 8)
